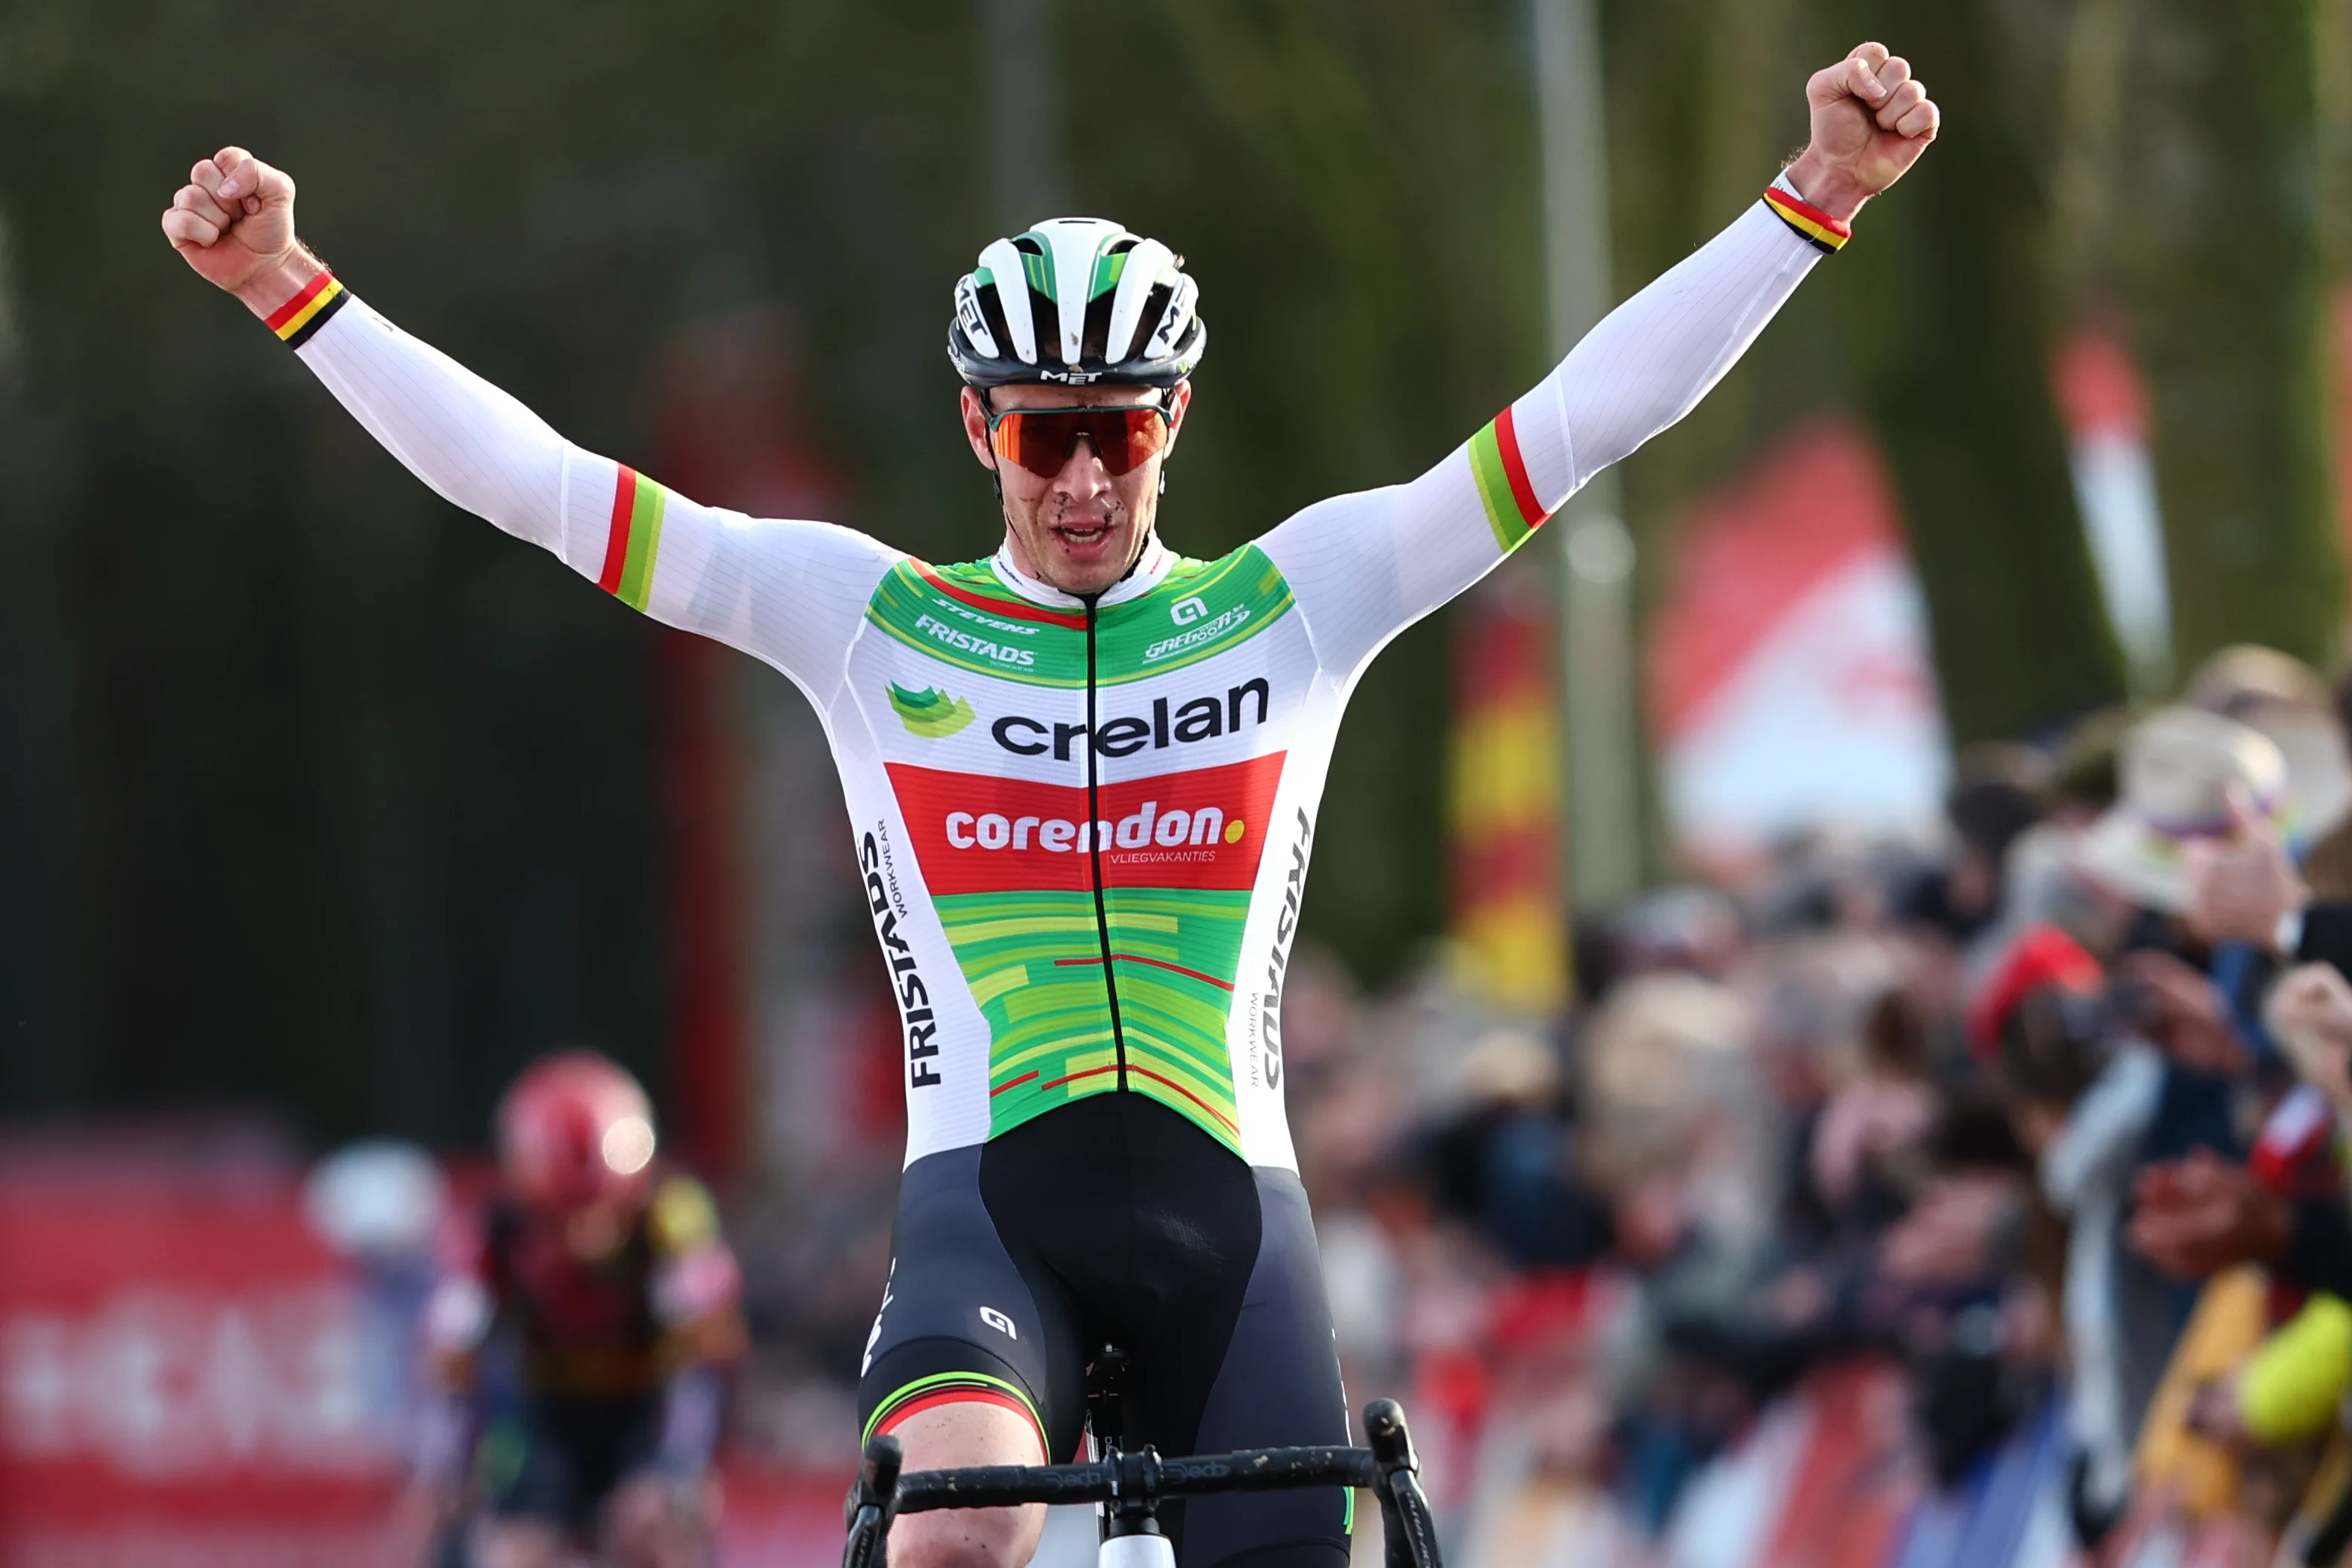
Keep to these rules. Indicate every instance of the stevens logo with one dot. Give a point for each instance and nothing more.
(933, 714)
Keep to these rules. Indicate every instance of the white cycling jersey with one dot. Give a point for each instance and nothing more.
(1084, 828)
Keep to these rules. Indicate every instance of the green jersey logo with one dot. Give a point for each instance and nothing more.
(933, 714)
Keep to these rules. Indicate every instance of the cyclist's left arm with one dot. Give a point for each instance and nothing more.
(1366, 567)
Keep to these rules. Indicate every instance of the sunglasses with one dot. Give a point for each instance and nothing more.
(1123, 436)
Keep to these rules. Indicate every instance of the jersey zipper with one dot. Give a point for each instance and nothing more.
(1094, 840)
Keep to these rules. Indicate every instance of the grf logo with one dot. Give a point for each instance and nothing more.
(1184, 612)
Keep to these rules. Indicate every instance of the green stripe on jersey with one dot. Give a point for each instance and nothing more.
(1034, 962)
(1001, 635)
(966, 617)
(1199, 609)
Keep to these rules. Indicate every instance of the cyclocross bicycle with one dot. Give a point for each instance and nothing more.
(1129, 1487)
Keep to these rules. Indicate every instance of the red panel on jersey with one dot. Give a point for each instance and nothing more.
(978, 834)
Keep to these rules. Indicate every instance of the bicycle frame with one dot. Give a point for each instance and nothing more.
(1133, 1485)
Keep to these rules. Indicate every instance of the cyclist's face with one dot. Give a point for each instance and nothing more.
(1083, 527)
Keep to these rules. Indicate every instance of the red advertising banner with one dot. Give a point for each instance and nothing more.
(181, 1382)
(189, 1379)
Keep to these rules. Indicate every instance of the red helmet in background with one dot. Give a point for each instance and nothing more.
(576, 1134)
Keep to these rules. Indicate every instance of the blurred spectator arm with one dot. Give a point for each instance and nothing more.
(2103, 1130)
(2196, 1216)
(2309, 1014)
(692, 1411)
(2184, 1014)
(698, 1287)
(2244, 888)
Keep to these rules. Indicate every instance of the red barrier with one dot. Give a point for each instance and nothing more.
(781, 1519)
(185, 1381)
(180, 1380)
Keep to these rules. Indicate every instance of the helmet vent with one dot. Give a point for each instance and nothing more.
(1046, 314)
(992, 310)
(1155, 305)
(1092, 344)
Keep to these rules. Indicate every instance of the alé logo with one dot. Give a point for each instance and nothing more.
(934, 715)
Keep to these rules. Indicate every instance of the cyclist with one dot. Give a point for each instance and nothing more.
(1082, 776)
(610, 1285)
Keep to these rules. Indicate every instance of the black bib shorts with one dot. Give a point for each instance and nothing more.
(1113, 1219)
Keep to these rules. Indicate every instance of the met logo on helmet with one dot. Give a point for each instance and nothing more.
(933, 714)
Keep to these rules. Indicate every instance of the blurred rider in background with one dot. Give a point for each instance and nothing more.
(606, 1282)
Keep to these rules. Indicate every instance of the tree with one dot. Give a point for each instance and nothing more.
(2223, 268)
(1952, 347)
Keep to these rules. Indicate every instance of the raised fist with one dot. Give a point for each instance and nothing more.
(1871, 120)
(234, 220)
(2241, 888)
(2310, 1015)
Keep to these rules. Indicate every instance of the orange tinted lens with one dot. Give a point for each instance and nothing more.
(1041, 441)
(1132, 437)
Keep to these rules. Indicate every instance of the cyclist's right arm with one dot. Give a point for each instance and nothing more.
(789, 592)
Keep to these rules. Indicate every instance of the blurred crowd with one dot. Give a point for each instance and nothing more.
(1975, 1202)
(1978, 1201)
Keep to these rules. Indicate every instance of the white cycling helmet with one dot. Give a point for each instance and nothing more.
(1077, 301)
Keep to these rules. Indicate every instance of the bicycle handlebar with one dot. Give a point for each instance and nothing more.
(1135, 1484)
(1106, 1480)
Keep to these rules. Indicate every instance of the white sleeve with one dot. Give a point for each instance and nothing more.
(2103, 1130)
(789, 592)
(1365, 566)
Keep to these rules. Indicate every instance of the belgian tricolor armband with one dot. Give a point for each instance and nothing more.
(299, 318)
(1818, 229)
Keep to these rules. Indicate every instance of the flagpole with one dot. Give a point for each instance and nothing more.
(1598, 674)
(1028, 173)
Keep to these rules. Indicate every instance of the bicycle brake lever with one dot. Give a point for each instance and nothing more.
(1407, 1526)
(872, 1504)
